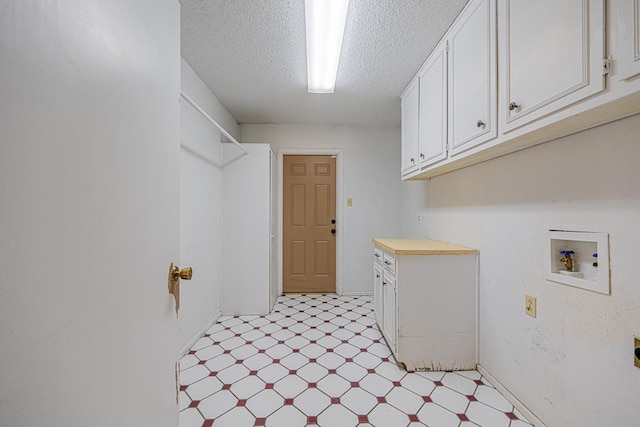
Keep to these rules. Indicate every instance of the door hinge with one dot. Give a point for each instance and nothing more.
(606, 66)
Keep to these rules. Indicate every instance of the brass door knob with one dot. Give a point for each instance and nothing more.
(185, 273)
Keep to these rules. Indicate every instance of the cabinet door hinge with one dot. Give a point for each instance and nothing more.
(606, 66)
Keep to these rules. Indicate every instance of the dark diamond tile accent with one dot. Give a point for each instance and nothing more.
(268, 386)
(355, 384)
(363, 419)
(335, 400)
(183, 387)
(226, 386)
(463, 417)
(213, 373)
(381, 399)
(207, 423)
(253, 372)
(260, 422)
(414, 418)
(396, 384)
(288, 401)
(312, 420)
(427, 399)
(313, 385)
(242, 402)
(438, 383)
(479, 382)
(292, 372)
(511, 415)
(194, 404)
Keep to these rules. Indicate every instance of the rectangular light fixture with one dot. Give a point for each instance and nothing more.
(325, 20)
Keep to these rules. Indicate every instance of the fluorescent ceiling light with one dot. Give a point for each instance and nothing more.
(325, 21)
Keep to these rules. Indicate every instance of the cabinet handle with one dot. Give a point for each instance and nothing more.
(413, 160)
(384, 283)
(422, 155)
(513, 106)
(377, 276)
(387, 262)
(480, 124)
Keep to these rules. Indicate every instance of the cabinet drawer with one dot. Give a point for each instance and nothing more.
(377, 256)
(389, 262)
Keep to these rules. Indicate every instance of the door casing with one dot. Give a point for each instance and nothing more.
(339, 207)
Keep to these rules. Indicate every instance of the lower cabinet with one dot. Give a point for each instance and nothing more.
(426, 303)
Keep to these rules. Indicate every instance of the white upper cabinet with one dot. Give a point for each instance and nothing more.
(472, 78)
(432, 133)
(628, 38)
(409, 115)
(551, 56)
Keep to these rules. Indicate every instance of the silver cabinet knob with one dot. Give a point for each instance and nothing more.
(422, 155)
(413, 160)
(480, 124)
(513, 106)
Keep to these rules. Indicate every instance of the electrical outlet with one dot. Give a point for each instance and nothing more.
(419, 218)
(530, 305)
(636, 351)
(349, 202)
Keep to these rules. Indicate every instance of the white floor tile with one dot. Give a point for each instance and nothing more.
(484, 415)
(312, 402)
(386, 415)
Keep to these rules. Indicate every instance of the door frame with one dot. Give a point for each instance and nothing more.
(339, 197)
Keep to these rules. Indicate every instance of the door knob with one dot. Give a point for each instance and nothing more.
(333, 231)
(333, 221)
(184, 274)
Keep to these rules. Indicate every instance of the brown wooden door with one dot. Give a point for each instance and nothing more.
(309, 246)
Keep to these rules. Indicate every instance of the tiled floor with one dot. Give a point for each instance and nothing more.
(320, 360)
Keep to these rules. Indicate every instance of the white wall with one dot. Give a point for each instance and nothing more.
(371, 178)
(201, 202)
(197, 90)
(573, 365)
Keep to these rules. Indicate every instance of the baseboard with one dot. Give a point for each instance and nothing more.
(195, 339)
(356, 294)
(511, 398)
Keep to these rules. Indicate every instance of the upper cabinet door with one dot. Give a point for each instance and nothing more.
(472, 77)
(433, 108)
(551, 56)
(409, 105)
(628, 38)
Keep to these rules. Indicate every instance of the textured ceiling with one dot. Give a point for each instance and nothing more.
(252, 54)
